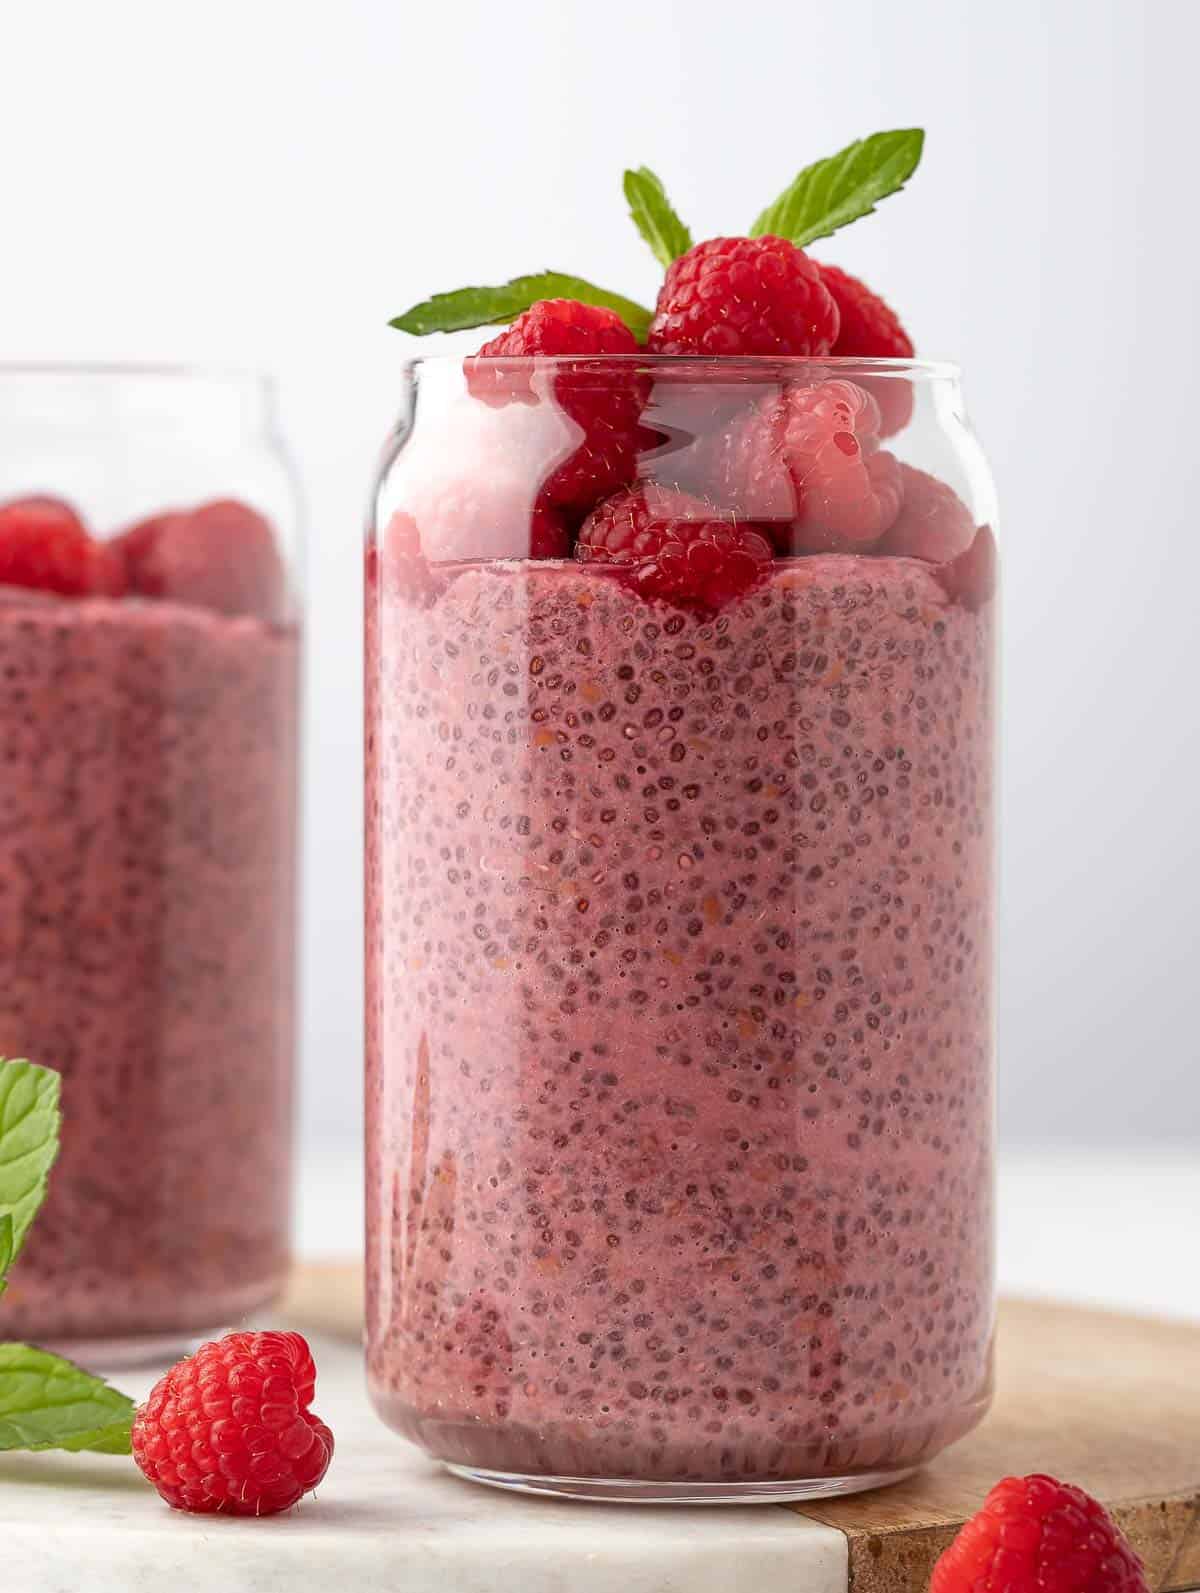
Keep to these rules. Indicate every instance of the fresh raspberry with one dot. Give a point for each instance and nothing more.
(832, 522)
(1037, 1535)
(135, 542)
(807, 461)
(551, 327)
(220, 556)
(870, 329)
(970, 579)
(108, 577)
(744, 296)
(229, 1429)
(674, 546)
(44, 545)
(933, 524)
(603, 399)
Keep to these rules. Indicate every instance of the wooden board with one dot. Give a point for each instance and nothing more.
(1110, 1402)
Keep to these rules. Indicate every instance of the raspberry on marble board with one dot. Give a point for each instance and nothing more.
(1038, 1535)
(229, 1430)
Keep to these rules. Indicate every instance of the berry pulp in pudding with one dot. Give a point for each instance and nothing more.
(146, 941)
(678, 944)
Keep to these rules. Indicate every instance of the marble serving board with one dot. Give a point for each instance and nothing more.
(1112, 1402)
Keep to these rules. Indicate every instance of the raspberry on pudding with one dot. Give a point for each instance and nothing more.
(933, 523)
(220, 556)
(675, 546)
(603, 410)
(868, 328)
(45, 547)
(738, 296)
(808, 461)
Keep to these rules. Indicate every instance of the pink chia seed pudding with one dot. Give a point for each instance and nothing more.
(146, 926)
(679, 954)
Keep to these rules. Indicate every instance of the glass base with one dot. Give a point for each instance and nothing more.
(161, 1344)
(623, 1490)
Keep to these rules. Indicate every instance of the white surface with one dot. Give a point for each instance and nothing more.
(1115, 1231)
(243, 180)
(385, 1521)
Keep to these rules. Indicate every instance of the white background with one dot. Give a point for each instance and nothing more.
(269, 183)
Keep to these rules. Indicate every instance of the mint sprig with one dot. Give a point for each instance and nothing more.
(49, 1403)
(470, 307)
(655, 217)
(29, 1125)
(830, 193)
(45, 1401)
(819, 200)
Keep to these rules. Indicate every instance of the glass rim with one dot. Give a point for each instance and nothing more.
(734, 366)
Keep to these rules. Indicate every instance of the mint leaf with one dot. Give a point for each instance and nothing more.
(6, 1247)
(29, 1124)
(654, 216)
(49, 1403)
(832, 192)
(468, 307)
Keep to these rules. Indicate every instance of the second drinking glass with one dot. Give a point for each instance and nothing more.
(149, 646)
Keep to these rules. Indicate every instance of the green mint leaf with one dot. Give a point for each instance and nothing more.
(468, 307)
(6, 1247)
(832, 192)
(654, 216)
(49, 1403)
(29, 1123)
